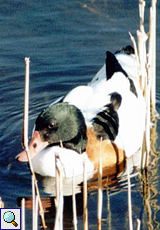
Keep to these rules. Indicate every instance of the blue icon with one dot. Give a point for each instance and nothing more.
(9, 217)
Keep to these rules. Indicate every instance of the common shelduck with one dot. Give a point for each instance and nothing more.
(107, 116)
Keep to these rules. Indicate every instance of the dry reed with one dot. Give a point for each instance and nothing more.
(85, 209)
(1, 203)
(23, 213)
(59, 194)
(138, 224)
(74, 203)
(129, 200)
(146, 63)
(100, 191)
(25, 137)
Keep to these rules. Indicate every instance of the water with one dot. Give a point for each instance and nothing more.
(66, 42)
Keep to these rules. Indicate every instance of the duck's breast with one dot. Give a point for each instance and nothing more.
(72, 162)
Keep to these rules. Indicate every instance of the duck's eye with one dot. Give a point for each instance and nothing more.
(53, 125)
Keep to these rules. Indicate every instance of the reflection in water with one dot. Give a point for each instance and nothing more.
(114, 180)
(50, 209)
(66, 43)
(149, 185)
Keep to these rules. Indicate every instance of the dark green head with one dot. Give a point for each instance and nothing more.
(63, 122)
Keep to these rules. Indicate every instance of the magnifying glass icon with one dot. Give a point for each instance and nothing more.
(9, 217)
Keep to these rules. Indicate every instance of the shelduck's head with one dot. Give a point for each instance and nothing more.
(59, 123)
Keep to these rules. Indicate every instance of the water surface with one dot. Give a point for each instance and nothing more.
(66, 42)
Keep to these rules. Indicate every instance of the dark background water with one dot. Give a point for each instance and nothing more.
(66, 42)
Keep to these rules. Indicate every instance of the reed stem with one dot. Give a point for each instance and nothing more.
(152, 40)
(100, 190)
(59, 195)
(25, 137)
(36, 213)
(109, 218)
(74, 204)
(23, 213)
(138, 224)
(1, 203)
(129, 200)
(146, 63)
(85, 210)
(33, 203)
(26, 106)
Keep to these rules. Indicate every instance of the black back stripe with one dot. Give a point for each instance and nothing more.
(108, 133)
(106, 123)
(108, 119)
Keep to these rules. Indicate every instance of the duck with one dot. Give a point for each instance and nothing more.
(106, 116)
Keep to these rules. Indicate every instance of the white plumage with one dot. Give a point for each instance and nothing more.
(91, 99)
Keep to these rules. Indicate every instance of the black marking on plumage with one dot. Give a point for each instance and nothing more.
(116, 100)
(106, 122)
(113, 66)
(127, 50)
(132, 87)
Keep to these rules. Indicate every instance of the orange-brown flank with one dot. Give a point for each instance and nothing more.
(111, 155)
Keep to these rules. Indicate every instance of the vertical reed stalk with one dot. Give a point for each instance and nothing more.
(25, 136)
(26, 106)
(36, 213)
(85, 210)
(23, 213)
(109, 211)
(74, 204)
(138, 224)
(129, 200)
(151, 76)
(33, 203)
(142, 38)
(100, 190)
(152, 40)
(59, 195)
(57, 181)
(1, 203)
(147, 98)
(147, 71)
(137, 58)
(147, 130)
